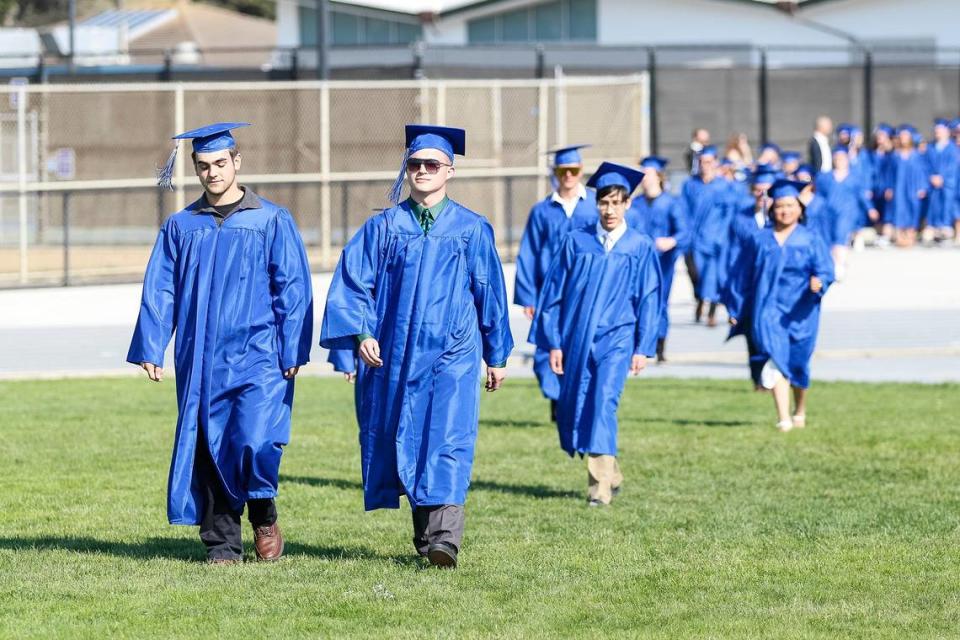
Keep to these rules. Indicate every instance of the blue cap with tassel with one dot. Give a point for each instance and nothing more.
(448, 140)
(212, 137)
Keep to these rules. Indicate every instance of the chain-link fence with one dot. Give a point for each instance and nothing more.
(77, 195)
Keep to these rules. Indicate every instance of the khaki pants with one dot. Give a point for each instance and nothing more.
(603, 475)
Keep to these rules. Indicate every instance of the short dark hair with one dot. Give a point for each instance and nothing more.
(803, 210)
(603, 192)
(234, 151)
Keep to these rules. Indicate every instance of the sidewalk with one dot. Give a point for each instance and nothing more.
(896, 317)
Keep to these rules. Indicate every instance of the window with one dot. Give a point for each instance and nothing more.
(541, 22)
(351, 29)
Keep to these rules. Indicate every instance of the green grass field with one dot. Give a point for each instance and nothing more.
(726, 528)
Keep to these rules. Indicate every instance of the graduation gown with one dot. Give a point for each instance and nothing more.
(238, 296)
(909, 176)
(437, 303)
(709, 209)
(600, 308)
(882, 163)
(662, 217)
(846, 204)
(546, 226)
(942, 201)
(743, 230)
(773, 297)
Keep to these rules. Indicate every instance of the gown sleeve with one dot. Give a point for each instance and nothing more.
(741, 279)
(292, 292)
(526, 286)
(350, 309)
(343, 360)
(158, 302)
(490, 297)
(648, 299)
(822, 264)
(545, 330)
(679, 224)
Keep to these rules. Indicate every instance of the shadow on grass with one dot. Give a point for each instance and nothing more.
(511, 423)
(686, 422)
(336, 483)
(172, 548)
(531, 490)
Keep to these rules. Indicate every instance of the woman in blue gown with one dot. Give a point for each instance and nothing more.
(909, 181)
(943, 166)
(598, 317)
(847, 206)
(660, 215)
(777, 292)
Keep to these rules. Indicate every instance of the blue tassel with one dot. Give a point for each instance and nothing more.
(394, 194)
(165, 173)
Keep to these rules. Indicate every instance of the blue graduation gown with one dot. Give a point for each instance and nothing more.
(546, 226)
(773, 296)
(942, 201)
(343, 360)
(436, 302)
(238, 296)
(882, 164)
(846, 203)
(743, 230)
(909, 175)
(600, 308)
(662, 217)
(709, 208)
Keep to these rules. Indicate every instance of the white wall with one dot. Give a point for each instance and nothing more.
(288, 24)
(882, 19)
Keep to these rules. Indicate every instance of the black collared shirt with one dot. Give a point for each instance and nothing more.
(222, 212)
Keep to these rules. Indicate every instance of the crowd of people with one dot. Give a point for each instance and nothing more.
(418, 302)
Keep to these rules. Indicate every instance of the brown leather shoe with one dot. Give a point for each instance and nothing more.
(268, 542)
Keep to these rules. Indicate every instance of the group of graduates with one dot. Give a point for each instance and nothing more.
(418, 302)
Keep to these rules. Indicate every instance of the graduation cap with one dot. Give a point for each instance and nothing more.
(909, 128)
(941, 122)
(448, 140)
(206, 139)
(770, 146)
(568, 155)
(708, 150)
(805, 169)
(839, 148)
(955, 123)
(790, 156)
(845, 127)
(611, 174)
(784, 188)
(726, 162)
(884, 127)
(764, 174)
(656, 163)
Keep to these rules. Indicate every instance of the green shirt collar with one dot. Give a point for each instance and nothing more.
(435, 210)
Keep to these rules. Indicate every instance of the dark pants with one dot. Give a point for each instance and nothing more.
(219, 523)
(441, 523)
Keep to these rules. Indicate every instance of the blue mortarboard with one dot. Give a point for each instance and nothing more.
(654, 162)
(886, 128)
(839, 148)
(709, 150)
(568, 155)
(206, 139)
(845, 127)
(610, 174)
(955, 123)
(917, 137)
(448, 140)
(941, 122)
(855, 131)
(906, 127)
(783, 188)
(790, 156)
(726, 162)
(764, 174)
(770, 146)
(804, 168)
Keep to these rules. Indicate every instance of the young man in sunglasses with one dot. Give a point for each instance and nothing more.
(566, 209)
(419, 293)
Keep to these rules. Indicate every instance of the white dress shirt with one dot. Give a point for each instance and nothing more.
(571, 204)
(826, 164)
(608, 239)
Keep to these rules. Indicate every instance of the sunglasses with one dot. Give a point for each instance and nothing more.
(430, 166)
(562, 171)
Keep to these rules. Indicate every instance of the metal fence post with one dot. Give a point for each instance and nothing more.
(416, 71)
(166, 75)
(294, 64)
(652, 83)
(66, 238)
(22, 178)
(867, 93)
(541, 61)
(178, 125)
(325, 205)
(762, 96)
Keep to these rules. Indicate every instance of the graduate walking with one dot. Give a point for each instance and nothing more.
(598, 317)
(777, 292)
(419, 292)
(228, 274)
(908, 187)
(708, 201)
(569, 207)
(943, 168)
(660, 215)
(848, 207)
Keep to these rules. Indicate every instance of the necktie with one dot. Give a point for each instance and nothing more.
(426, 220)
(607, 242)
